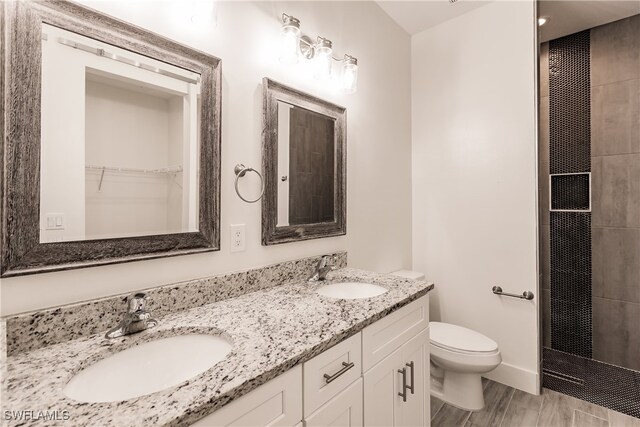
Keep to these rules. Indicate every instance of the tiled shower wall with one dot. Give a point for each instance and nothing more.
(615, 105)
(613, 305)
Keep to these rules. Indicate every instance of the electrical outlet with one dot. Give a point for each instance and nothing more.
(237, 238)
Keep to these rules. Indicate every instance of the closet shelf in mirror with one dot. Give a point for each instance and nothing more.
(111, 169)
(169, 169)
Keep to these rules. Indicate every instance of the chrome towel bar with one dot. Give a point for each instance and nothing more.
(528, 295)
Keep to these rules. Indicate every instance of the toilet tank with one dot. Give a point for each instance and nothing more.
(408, 274)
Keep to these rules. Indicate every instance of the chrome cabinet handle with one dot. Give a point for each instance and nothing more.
(345, 367)
(403, 393)
(410, 365)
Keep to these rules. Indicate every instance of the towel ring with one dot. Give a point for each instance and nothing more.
(240, 171)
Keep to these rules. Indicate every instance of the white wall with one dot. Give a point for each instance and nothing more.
(474, 176)
(246, 38)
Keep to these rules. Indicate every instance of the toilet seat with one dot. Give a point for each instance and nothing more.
(457, 339)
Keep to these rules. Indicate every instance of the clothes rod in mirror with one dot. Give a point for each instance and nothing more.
(294, 45)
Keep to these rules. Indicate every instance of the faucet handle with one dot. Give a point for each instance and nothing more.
(137, 302)
(331, 261)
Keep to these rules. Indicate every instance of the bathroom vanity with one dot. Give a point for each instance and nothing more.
(296, 356)
(380, 376)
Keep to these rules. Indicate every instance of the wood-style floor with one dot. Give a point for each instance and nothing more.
(508, 407)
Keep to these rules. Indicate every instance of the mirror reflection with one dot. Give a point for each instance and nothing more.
(120, 143)
(306, 166)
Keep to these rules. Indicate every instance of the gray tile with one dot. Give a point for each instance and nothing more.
(450, 416)
(545, 255)
(543, 194)
(615, 51)
(436, 405)
(582, 419)
(543, 131)
(544, 69)
(556, 410)
(616, 419)
(523, 410)
(496, 398)
(616, 191)
(615, 118)
(546, 317)
(588, 408)
(616, 263)
(616, 332)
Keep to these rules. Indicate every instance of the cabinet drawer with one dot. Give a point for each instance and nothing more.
(329, 373)
(275, 403)
(387, 334)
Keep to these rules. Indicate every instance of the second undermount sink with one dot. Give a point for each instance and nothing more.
(147, 368)
(351, 290)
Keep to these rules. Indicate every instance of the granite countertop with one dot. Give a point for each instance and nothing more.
(272, 330)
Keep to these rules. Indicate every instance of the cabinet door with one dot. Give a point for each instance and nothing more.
(275, 403)
(381, 386)
(415, 359)
(383, 406)
(343, 410)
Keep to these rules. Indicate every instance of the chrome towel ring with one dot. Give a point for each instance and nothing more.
(240, 171)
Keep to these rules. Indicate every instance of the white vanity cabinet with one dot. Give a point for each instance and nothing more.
(379, 377)
(396, 389)
(396, 368)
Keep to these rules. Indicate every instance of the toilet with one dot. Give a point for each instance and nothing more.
(459, 357)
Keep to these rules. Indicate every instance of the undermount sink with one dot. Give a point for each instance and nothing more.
(147, 368)
(351, 290)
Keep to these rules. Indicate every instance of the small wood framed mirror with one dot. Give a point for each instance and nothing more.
(304, 164)
(111, 141)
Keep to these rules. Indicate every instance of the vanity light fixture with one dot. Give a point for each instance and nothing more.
(322, 60)
(290, 41)
(349, 79)
(295, 45)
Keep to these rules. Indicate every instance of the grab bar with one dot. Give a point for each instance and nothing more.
(528, 295)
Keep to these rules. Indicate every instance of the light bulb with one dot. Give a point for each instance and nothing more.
(542, 20)
(290, 39)
(322, 60)
(349, 80)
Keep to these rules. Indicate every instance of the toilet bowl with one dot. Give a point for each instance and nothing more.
(459, 357)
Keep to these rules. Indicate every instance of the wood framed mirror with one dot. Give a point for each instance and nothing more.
(304, 165)
(111, 141)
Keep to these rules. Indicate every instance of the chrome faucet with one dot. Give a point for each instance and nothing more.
(326, 264)
(136, 319)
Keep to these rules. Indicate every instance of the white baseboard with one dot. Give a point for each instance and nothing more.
(515, 377)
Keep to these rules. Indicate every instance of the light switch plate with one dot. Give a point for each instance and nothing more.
(55, 221)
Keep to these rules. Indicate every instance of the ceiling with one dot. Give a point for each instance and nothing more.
(568, 17)
(418, 15)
